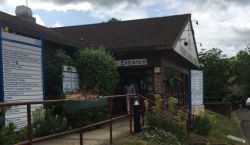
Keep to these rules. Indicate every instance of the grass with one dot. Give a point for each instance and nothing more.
(221, 127)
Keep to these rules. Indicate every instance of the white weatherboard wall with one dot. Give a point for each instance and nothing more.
(70, 79)
(189, 51)
(22, 75)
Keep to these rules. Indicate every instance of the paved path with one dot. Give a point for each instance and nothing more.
(95, 137)
(244, 116)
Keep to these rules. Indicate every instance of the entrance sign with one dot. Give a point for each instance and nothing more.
(131, 62)
(196, 92)
(70, 79)
(21, 74)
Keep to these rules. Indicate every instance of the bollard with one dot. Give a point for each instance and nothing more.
(137, 124)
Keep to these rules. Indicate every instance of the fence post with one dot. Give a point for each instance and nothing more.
(110, 120)
(81, 138)
(29, 124)
(142, 113)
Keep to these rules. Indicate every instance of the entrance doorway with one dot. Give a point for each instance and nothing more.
(142, 78)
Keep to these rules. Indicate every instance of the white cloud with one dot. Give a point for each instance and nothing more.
(221, 23)
(122, 11)
(39, 20)
(50, 6)
(57, 24)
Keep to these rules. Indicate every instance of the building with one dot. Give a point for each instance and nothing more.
(156, 53)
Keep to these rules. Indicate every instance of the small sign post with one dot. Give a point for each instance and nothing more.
(195, 93)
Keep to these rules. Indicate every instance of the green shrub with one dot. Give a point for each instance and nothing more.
(202, 125)
(94, 115)
(158, 104)
(97, 70)
(167, 124)
(160, 137)
(48, 124)
(21, 135)
(53, 74)
(88, 116)
(171, 103)
(8, 135)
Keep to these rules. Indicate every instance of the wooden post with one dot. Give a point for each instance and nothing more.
(81, 138)
(110, 122)
(29, 124)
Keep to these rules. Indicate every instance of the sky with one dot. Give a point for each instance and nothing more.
(223, 24)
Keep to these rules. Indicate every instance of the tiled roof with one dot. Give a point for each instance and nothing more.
(161, 33)
(141, 34)
(18, 25)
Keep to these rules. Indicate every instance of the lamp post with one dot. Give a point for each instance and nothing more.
(137, 124)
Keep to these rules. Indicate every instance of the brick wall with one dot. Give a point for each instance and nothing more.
(158, 81)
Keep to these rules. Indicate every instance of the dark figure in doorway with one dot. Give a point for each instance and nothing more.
(129, 88)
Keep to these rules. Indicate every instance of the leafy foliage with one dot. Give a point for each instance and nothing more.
(90, 116)
(8, 135)
(54, 75)
(171, 103)
(241, 67)
(97, 70)
(216, 73)
(2, 112)
(202, 125)
(160, 137)
(162, 122)
(221, 73)
(113, 20)
(158, 104)
(45, 123)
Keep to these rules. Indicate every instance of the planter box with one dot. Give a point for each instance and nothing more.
(75, 106)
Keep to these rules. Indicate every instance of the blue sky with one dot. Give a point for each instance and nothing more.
(223, 24)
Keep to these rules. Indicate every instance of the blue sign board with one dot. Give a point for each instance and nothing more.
(21, 74)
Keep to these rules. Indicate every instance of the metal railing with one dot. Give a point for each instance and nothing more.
(165, 111)
(30, 140)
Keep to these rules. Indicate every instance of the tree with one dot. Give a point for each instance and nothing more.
(216, 73)
(242, 71)
(112, 20)
(97, 70)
